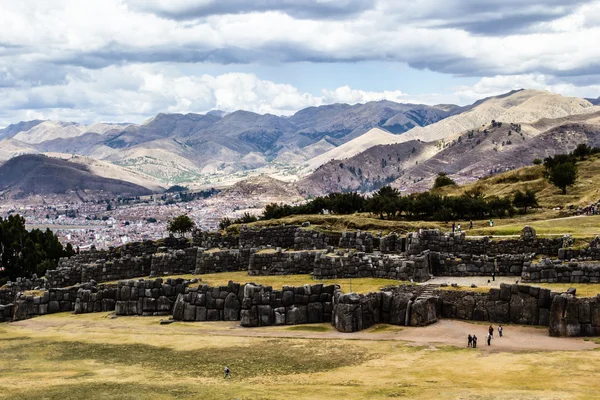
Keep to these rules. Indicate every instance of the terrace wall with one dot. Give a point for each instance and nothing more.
(557, 271)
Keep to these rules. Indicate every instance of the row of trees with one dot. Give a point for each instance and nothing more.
(24, 253)
(388, 203)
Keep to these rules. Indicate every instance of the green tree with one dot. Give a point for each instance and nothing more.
(442, 180)
(563, 175)
(180, 225)
(582, 150)
(537, 161)
(525, 200)
(24, 253)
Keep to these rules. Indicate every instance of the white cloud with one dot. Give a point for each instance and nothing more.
(121, 59)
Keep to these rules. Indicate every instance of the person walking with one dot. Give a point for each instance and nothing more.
(489, 339)
(474, 341)
(227, 373)
(470, 339)
(470, 225)
(500, 329)
(453, 227)
(491, 330)
(459, 228)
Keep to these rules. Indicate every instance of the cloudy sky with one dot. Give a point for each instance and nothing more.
(126, 60)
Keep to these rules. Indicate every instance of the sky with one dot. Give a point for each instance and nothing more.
(127, 60)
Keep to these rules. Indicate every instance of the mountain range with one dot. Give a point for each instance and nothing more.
(322, 149)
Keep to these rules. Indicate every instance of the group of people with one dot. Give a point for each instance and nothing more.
(458, 227)
(472, 340)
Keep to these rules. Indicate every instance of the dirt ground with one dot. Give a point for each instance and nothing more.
(444, 332)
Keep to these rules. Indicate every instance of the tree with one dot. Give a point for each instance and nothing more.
(582, 150)
(442, 180)
(537, 161)
(525, 200)
(180, 225)
(24, 253)
(563, 175)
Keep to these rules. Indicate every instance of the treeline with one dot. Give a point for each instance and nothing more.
(388, 203)
(24, 253)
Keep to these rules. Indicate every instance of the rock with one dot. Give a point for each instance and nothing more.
(571, 291)
(296, 315)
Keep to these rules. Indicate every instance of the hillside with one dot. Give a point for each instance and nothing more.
(466, 157)
(37, 175)
(215, 147)
(264, 187)
(377, 166)
(585, 191)
(523, 106)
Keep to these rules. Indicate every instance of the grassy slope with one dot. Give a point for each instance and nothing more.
(135, 358)
(585, 191)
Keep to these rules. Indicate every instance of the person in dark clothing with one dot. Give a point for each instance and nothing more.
(474, 341)
(226, 373)
(491, 330)
(500, 329)
(489, 338)
(470, 224)
(453, 227)
(470, 339)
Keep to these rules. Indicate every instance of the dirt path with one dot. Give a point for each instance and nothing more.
(444, 332)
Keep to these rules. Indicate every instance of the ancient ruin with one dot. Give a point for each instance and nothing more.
(80, 284)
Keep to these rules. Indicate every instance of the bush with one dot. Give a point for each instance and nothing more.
(442, 180)
(180, 225)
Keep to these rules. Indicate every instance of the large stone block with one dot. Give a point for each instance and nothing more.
(296, 315)
(315, 313)
(524, 309)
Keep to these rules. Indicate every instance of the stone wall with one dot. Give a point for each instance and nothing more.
(209, 240)
(172, 262)
(392, 243)
(571, 316)
(117, 268)
(148, 297)
(278, 262)
(363, 265)
(95, 299)
(360, 241)
(589, 253)
(9, 291)
(48, 302)
(457, 243)
(6, 312)
(518, 304)
(403, 305)
(205, 303)
(278, 236)
(263, 306)
(215, 260)
(443, 264)
(305, 239)
(557, 271)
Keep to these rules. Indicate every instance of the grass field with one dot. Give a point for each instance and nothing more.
(66, 356)
(359, 285)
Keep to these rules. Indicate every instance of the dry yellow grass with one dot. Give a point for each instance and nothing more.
(127, 358)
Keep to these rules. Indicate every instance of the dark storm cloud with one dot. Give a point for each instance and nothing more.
(306, 9)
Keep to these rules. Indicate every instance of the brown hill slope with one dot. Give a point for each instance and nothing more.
(31, 175)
